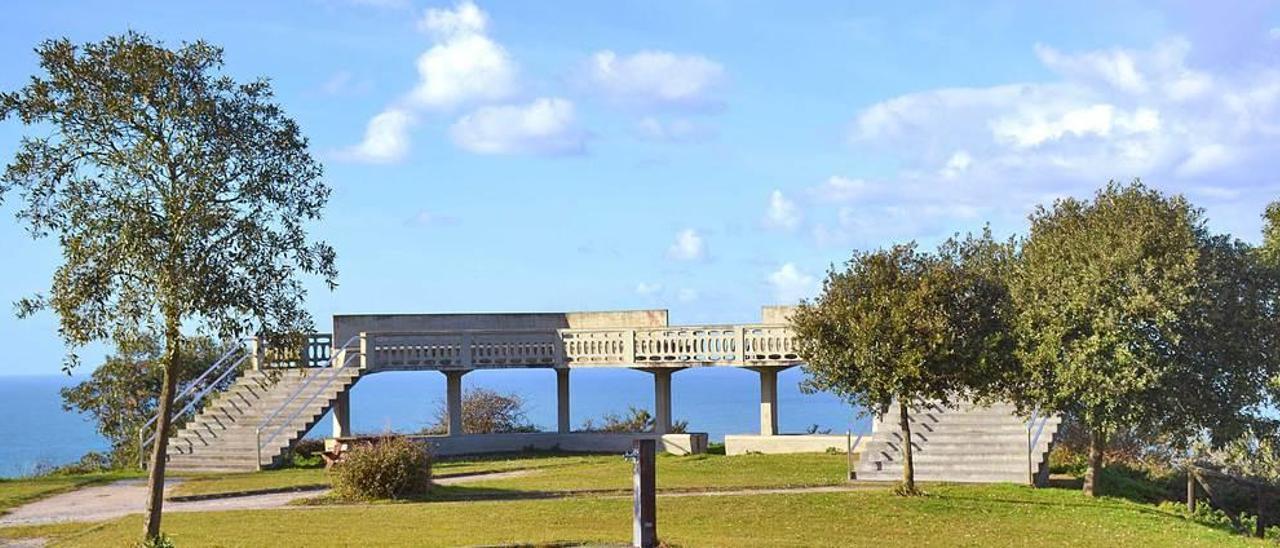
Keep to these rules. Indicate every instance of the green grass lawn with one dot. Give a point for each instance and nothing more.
(987, 515)
(16, 492)
(559, 473)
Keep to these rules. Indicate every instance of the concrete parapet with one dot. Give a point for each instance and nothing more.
(739, 444)
(584, 442)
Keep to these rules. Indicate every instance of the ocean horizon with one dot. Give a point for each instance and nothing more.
(716, 400)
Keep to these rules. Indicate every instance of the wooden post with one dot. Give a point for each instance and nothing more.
(1260, 529)
(1191, 490)
(645, 507)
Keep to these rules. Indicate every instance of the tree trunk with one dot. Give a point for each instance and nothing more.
(1093, 475)
(159, 452)
(908, 461)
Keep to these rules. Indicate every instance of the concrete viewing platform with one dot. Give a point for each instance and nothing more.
(278, 393)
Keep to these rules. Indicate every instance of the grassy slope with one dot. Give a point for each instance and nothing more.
(17, 492)
(574, 473)
(996, 515)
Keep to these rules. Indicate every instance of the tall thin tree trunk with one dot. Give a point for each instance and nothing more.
(1093, 476)
(155, 476)
(908, 462)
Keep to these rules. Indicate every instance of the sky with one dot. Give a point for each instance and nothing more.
(707, 157)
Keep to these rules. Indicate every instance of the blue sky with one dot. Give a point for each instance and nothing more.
(703, 156)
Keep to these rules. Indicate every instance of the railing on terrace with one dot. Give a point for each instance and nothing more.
(313, 351)
(649, 346)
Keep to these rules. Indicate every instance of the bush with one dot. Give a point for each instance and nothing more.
(390, 467)
(635, 420)
(307, 453)
(486, 411)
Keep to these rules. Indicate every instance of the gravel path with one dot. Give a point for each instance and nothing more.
(129, 497)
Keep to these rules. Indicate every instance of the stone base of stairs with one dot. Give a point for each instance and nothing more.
(966, 444)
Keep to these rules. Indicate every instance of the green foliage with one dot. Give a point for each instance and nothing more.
(901, 325)
(159, 541)
(178, 195)
(486, 411)
(634, 420)
(1099, 292)
(122, 394)
(390, 467)
(1125, 302)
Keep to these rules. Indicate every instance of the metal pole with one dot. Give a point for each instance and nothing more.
(644, 518)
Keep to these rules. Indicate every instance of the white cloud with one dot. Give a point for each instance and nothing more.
(842, 189)
(957, 164)
(656, 78)
(386, 138)
(790, 284)
(464, 65)
(544, 126)
(643, 288)
(781, 213)
(678, 130)
(989, 153)
(688, 246)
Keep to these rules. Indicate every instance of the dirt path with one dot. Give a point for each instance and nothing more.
(129, 496)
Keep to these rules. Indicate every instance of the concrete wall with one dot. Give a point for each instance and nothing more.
(585, 442)
(739, 444)
(347, 325)
(776, 314)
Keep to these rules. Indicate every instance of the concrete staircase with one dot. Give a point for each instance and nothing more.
(967, 444)
(223, 437)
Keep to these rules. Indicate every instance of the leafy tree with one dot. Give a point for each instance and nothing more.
(486, 411)
(1132, 317)
(178, 196)
(898, 326)
(123, 392)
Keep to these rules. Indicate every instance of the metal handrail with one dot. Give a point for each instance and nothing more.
(205, 391)
(296, 393)
(195, 399)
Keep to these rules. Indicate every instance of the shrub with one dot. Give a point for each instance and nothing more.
(307, 453)
(634, 420)
(486, 411)
(389, 467)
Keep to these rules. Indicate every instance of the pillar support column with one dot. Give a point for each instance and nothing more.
(562, 400)
(453, 401)
(342, 414)
(768, 400)
(662, 398)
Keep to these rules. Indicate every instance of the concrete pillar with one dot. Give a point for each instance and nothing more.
(453, 401)
(342, 414)
(662, 400)
(562, 400)
(768, 401)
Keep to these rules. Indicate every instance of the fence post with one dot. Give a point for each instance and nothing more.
(1191, 490)
(644, 499)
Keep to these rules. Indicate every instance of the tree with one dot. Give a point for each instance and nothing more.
(905, 327)
(178, 196)
(123, 392)
(486, 411)
(1131, 316)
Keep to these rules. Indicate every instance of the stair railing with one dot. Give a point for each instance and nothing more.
(225, 364)
(1037, 423)
(345, 352)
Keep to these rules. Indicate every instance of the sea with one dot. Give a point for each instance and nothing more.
(36, 432)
